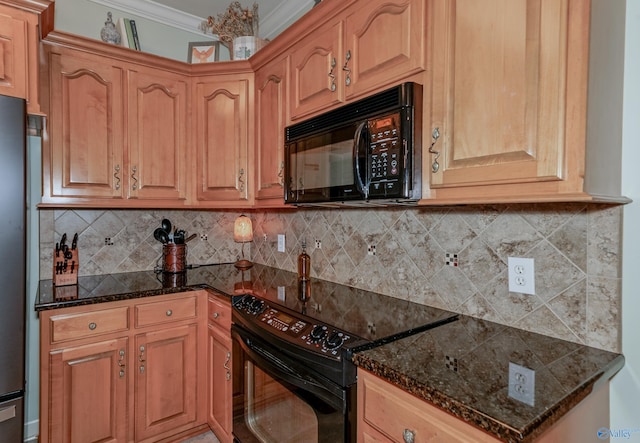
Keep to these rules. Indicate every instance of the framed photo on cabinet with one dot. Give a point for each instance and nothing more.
(203, 52)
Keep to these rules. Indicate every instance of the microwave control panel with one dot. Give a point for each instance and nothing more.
(385, 160)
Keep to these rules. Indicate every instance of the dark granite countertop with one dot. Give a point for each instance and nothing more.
(463, 368)
(124, 286)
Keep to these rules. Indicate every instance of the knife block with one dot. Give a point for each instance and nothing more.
(65, 275)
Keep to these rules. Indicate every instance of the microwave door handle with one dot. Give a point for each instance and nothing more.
(362, 187)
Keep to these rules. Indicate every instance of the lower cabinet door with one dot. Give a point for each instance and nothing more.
(220, 384)
(165, 381)
(89, 392)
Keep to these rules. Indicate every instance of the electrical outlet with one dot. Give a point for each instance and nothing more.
(280, 242)
(204, 237)
(108, 241)
(522, 384)
(318, 244)
(264, 237)
(521, 275)
(371, 250)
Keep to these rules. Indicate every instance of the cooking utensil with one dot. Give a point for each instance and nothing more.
(166, 225)
(178, 236)
(161, 235)
(191, 237)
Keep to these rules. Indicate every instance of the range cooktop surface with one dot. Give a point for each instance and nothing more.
(372, 317)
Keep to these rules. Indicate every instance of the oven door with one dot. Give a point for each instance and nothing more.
(280, 401)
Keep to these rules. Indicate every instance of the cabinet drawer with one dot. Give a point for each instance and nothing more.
(165, 311)
(392, 412)
(88, 324)
(220, 313)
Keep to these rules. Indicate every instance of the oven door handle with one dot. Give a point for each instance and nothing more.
(287, 373)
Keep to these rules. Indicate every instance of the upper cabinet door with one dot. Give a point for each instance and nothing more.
(270, 123)
(498, 93)
(86, 120)
(157, 132)
(222, 137)
(13, 55)
(316, 71)
(384, 43)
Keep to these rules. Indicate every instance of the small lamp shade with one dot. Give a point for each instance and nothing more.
(242, 229)
(242, 233)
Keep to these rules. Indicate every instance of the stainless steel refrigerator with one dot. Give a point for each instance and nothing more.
(12, 267)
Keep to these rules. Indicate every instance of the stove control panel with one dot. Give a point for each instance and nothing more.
(320, 338)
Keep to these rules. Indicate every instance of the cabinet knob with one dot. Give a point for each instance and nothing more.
(409, 436)
(216, 315)
(169, 312)
(92, 326)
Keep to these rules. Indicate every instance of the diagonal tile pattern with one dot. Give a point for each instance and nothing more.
(576, 247)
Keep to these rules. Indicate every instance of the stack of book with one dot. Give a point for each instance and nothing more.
(128, 33)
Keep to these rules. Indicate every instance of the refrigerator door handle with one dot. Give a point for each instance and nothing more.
(7, 413)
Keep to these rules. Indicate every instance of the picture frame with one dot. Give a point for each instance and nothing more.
(203, 52)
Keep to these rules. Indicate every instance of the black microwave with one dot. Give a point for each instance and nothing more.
(368, 151)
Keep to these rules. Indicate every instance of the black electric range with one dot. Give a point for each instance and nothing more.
(322, 323)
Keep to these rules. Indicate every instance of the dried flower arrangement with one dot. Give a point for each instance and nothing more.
(236, 21)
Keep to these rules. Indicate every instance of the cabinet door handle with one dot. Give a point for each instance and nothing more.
(332, 75)
(408, 436)
(116, 176)
(133, 176)
(435, 135)
(347, 69)
(226, 366)
(240, 180)
(281, 174)
(121, 363)
(141, 359)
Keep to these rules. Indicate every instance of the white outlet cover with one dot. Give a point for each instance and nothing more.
(280, 242)
(521, 275)
(522, 384)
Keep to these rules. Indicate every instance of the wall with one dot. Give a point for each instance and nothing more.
(625, 388)
(85, 18)
(576, 250)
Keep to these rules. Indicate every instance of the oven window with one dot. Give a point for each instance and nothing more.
(274, 413)
(274, 405)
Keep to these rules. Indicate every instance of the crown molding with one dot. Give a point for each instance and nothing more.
(157, 13)
(270, 26)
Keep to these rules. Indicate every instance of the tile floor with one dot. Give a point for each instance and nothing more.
(207, 437)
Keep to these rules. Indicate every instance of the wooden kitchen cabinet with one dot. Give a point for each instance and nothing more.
(219, 369)
(223, 128)
(21, 24)
(148, 356)
(366, 48)
(165, 393)
(118, 129)
(271, 118)
(386, 414)
(508, 102)
(158, 135)
(86, 159)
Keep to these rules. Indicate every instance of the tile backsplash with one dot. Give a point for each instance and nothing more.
(452, 258)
